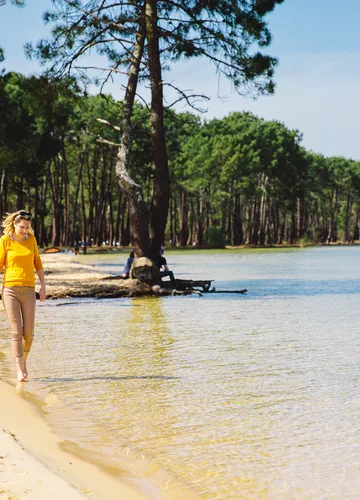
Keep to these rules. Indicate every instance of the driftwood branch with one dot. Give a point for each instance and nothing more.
(159, 291)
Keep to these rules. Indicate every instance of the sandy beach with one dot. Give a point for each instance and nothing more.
(32, 463)
(66, 277)
(33, 466)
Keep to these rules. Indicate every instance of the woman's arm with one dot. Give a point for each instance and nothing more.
(2, 253)
(42, 292)
(40, 272)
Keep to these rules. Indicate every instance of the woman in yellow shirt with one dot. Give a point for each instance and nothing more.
(19, 255)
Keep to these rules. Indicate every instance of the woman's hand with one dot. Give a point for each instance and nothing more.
(42, 293)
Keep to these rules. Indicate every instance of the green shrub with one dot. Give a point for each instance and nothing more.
(304, 241)
(214, 238)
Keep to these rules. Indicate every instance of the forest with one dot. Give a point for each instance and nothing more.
(239, 180)
(137, 172)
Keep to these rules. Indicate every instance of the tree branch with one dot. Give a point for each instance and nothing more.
(103, 69)
(187, 97)
(115, 127)
(109, 143)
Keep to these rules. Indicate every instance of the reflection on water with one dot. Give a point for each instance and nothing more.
(223, 396)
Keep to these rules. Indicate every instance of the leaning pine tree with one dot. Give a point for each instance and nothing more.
(138, 39)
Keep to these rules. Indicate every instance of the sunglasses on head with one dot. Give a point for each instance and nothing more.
(23, 213)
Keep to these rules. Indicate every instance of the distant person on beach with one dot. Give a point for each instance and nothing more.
(128, 264)
(163, 267)
(19, 255)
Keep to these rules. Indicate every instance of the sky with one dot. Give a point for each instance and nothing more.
(317, 43)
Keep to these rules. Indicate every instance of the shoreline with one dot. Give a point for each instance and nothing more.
(33, 464)
(106, 249)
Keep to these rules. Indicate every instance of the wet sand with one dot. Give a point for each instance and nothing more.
(33, 466)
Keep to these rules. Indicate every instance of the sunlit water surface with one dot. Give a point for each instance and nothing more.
(229, 396)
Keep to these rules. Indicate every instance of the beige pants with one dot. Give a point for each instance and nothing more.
(19, 303)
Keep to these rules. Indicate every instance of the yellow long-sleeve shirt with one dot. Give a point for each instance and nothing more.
(19, 259)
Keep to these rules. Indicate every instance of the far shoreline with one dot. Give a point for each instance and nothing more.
(93, 250)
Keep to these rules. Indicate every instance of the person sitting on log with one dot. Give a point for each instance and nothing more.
(128, 264)
(163, 267)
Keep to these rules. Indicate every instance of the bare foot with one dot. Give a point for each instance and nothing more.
(26, 374)
(19, 362)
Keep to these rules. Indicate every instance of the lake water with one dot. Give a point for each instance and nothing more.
(223, 396)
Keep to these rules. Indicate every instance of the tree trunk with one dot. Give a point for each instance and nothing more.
(111, 225)
(332, 234)
(356, 233)
(261, 230)
(160, 206)
(282, 230)
(171, 222)
(175, 225)
(349, 202)
(66, 215)
(298, 219)
(200, 222)
(226, 220)
(237, 230)
(118, 219)
(191, 239)
(100, 211)
(43, 202)
(3, 192)
(138, 209)
(184, 228)
(84, 225)
(293, 229)
(93, 195)
(56, 205)
(75, 236)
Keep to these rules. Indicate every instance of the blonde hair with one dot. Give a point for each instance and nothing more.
(10, 220)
